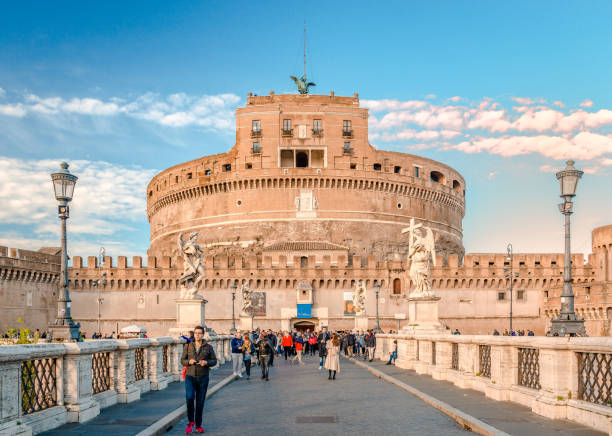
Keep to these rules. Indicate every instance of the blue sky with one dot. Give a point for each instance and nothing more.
(503, 92)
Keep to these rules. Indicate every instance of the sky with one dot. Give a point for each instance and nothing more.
(504, 92)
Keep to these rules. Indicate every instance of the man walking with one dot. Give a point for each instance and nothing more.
(264, 349)
(237, 354)
(198, 357)
(322, 341)
(370, 345)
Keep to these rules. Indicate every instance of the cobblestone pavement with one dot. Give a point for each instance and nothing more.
(506, 416)
(129, 419)
(358, 402)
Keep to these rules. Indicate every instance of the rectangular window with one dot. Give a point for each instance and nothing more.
(286, 125)
(317, 127)
(416, 172)
(397, 169)
(546, 294)
(347, 148)
(256, 125)
(256, 147)
(248, 165)
(227, 167)
(353, 166)
(346, 126)
(189, 176)
(207, 172)
(286, 158)
(520, 295)
(176, 179)
(501, 296)
(377, 167)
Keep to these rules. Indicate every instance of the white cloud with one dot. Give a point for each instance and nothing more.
(107, 197)
(385, 105)
(176, 110)
(2, 92)
(493, 121)
(548, 169)
(587, 103)
(558, 103)
(455, 99)
(12, 110)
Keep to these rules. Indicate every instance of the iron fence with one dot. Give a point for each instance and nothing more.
(100, 372)
(484, 357)
(529, 367)
(165, 357)
(455, 356)
(595, 378)
(139, 364)
(38, 385)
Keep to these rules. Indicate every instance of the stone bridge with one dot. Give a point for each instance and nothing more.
(442, 384)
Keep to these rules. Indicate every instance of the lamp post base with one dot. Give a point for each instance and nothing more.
(65, 333)
(567, 327)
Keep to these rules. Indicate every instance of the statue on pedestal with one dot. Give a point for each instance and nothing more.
(246, 300)
(421, 252)
(193, 268)
(359, 299)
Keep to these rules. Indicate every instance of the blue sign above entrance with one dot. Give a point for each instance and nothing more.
(304, 310)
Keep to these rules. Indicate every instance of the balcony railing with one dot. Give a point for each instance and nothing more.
(256, 133)
(317, 133)
(287, 133)
(347, 133)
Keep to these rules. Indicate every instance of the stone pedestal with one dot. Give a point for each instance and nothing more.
(361, 322)
(189, 314)
(246, 323)
(423, 316)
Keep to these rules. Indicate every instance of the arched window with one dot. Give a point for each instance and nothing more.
(437, 177)
(304, 262)
(456, 186)
(397, 287)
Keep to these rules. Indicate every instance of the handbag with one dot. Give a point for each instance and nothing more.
(184, 373)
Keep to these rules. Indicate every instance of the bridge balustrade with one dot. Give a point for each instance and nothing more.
(560, 378)
(46, 385)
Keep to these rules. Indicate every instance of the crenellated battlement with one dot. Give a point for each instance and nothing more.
(334, 270)
(25, 265)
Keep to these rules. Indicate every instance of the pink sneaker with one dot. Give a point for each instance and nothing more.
(199, 429)
(189, 428)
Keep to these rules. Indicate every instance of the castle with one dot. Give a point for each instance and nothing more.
(301, 208)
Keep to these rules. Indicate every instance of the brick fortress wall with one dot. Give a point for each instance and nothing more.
(28, 288)
(475, 296)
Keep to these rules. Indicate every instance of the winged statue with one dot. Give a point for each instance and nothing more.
(301, 84)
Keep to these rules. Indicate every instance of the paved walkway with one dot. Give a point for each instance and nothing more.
(507, 416)
(129, 419)
(300, 400)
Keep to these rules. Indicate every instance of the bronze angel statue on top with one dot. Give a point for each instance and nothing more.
(301, 84)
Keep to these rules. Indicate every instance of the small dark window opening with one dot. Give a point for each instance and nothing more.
(554, 262)
(416, 172)
(304, 262)
(546, 294)
(301, 160)
(521, 263)
(189, 176)
(491, 263)
(506, 263)
(476, 263)
(588, 290)
(397, 169)
(537, 262)
(227, 167)
(377, 167)
(207, 172)
(249, 165)
(501, 296)
(176, 179)
(353, 166)
(520, 295)
(150, 193)
(397, 287)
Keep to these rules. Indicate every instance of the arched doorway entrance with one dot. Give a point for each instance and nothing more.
(302, 326)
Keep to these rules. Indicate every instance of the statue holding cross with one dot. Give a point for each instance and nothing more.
(421, 253)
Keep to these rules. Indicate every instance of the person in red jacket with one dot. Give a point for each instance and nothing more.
(286, 343)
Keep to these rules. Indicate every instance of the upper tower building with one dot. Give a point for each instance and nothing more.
(302, 169)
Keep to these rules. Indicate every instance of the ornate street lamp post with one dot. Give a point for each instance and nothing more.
(567, 323)
(99, 282)
(377, 329)
(510, 276)
(233, 330)
(64, 327)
